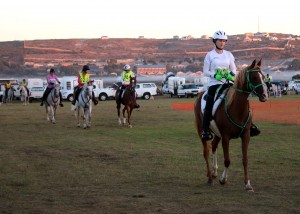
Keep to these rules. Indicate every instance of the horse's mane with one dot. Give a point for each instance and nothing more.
(238, 84)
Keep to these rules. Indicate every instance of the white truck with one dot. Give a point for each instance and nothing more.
(69, 82)
(145, 90)
(36, 88)
(173, 84)
(187, 90)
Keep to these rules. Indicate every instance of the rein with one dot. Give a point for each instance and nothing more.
(252, 89)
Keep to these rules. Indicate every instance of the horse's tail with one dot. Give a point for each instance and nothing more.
(198, 114)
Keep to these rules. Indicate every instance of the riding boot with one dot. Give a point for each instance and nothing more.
(206, 135)
(60, 99)
(94, 99)
(254, 131)
(136, 105)
(76, 94)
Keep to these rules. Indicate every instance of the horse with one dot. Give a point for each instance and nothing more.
(128, 100)
(232, 119)
(24, 95)
(10, 95)
(51, 103)
(83, 105)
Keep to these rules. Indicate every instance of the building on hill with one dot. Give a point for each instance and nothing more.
(151, 69)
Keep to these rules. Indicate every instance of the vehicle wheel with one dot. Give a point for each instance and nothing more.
(70, 98)
(103, 97)
(147, 96)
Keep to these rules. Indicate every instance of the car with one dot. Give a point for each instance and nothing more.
(188, 90)
(145, 90)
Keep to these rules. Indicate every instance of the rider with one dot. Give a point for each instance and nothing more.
(51, 80)
(7, 86)
(25, 84)
(83, 78)
(268, 82)
(219, 66)
(126, 74)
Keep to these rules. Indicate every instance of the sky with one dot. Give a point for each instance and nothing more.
(160, 19)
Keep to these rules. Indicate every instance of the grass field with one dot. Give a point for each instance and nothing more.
(155, 167)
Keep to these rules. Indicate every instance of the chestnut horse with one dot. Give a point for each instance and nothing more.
(128, 100)
(232, 119)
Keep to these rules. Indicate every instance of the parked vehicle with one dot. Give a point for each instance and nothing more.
(187, 90)
(36, 93)
(69, 82)
(173, 83)
(292, 84)
(67, 87)
(297, 88)
(145, 90)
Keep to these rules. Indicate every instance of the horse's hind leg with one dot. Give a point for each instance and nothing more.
(215, 143)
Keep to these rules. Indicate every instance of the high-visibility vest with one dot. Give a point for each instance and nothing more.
(84, 78)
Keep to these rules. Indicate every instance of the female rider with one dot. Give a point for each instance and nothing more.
(219, 66)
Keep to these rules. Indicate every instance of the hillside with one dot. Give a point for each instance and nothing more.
(22, 55)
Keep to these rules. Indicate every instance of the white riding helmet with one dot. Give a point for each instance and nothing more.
(220, 35)
(126, 67)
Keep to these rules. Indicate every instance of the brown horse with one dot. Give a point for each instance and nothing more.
(128, 100)
(232, 119)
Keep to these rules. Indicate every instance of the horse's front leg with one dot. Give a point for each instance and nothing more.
(215, 143)
(206, 149)
(77, 115)
(128, 111)
(90, 116)
(53, 114)
(119, 116)
(225, 145)
(124, 117)
(245, 144)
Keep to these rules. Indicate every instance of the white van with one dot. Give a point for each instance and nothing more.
(67, 87)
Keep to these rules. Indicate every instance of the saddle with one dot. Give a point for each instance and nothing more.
(219, 96)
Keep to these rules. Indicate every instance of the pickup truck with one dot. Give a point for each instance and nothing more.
(105, 93)
(187, 90)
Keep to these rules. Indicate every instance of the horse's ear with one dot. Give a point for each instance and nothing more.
(259, 63)
(253, 64)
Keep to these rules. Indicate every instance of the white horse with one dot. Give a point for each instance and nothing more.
(10, 95)
(51, 103)
(24, 95)
(83, 105)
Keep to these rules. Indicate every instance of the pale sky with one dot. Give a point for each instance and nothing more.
(66, 19)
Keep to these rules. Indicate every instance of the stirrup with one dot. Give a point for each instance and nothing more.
(206, 136)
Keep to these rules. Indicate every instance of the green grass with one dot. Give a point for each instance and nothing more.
(155, 167)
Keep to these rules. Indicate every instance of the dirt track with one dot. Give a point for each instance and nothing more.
(279, 111)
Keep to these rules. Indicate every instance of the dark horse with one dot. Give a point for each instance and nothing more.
(232, 119)
(128, 100)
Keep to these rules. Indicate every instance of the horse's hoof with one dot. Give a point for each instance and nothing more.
(210, 182)
(248, 187)
(129, 126)
(223, 181)
(78, 125)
